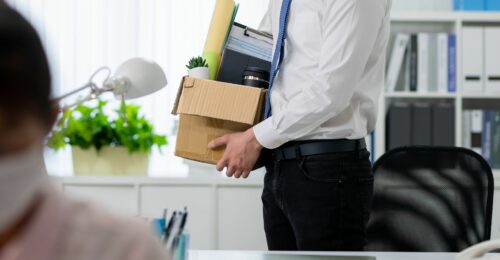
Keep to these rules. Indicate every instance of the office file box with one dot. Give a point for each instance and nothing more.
(473, 62)
(492, 59)
(210, 109)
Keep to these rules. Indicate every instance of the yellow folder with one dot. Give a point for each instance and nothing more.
(221, 23)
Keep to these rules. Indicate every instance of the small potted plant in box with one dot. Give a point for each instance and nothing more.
(198, 68)
(102, 145)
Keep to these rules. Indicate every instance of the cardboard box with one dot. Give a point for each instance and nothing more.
(210, 109)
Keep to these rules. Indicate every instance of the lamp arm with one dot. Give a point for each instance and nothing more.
(59, 99)
(95, 91)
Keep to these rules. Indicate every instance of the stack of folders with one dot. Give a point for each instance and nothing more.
(172, 235)
(245, 47)
(481, 133)
(423, 62)
(420, 123)
(476, 5)
(481, 59)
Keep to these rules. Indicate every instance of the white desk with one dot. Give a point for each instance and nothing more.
(256, 255)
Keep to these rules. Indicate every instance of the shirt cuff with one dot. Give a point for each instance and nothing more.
(267, 136)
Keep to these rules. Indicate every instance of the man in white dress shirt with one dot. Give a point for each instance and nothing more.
(327, 77)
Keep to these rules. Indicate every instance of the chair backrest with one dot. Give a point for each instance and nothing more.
(430, 199)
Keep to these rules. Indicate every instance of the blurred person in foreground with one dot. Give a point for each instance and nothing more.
(36, 221)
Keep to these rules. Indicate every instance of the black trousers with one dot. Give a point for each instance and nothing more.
(318, 203)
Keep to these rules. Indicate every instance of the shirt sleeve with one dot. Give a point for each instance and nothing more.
(350, 29)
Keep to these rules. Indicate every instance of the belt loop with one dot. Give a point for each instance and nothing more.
(300, 158)
(298, 154)
(358, 151)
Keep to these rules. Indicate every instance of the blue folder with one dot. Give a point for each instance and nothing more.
(493, 5)
(470, 5)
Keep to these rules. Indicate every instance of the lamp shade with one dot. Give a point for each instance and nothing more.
(137, 78)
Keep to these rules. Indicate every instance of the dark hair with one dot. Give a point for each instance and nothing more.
(25, 83)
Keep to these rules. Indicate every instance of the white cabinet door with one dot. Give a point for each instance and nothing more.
(118, 199)
(200, 203)
(240, 222)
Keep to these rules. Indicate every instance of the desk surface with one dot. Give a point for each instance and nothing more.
(255, 255)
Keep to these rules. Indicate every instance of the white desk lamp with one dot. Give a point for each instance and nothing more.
(135, 78)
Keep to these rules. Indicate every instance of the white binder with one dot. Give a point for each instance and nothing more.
(423, 62)
(442, 46)
(473, 62)
(396, 61)
(492, 59)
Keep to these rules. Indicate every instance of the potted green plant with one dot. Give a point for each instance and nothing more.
(198, 68)
(107, 145)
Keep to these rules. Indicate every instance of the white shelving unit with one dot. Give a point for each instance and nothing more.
(428, 21)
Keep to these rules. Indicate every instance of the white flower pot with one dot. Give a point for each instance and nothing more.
(110, 161)
(199, 73)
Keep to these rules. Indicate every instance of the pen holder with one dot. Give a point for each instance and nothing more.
(180, 251)
(157, 227)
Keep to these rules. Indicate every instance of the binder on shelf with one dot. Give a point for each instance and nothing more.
(443, 125)
(492, 58)
(413, 63)
(473, 62)
(442, 62)
(495, 139)
(469, 5)
(399, 125)
(406, 75)
(492, 5)
(452, 63)
(433, 62)
(423, 62)
(466, 129)
(486, 137)
(421, 131)
(476, 130)
(396, 60)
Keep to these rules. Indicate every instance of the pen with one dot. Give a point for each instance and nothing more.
(170, 225)
(173, 231)
(179, 232)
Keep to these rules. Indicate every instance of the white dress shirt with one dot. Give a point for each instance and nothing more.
(332, 76)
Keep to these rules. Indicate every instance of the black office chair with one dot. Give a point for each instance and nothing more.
(429, 199)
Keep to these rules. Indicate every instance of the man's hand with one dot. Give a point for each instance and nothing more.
(241, 154)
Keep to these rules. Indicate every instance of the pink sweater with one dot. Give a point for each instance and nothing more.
(70, 230)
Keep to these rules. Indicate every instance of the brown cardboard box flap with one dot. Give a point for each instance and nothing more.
(219, 100)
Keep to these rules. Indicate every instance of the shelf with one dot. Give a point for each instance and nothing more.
(419, 95)
(423, 16)
(479, 16)
(482, 96)
(444, 16)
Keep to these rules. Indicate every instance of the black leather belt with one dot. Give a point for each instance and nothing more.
(297, 149)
